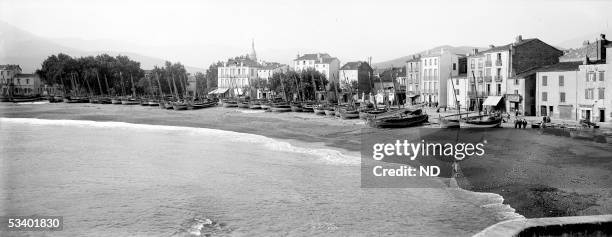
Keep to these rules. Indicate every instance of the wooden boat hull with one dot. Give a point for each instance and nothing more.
(177, 106)
(129, 102)
(152, 103)
(243, 105)
(449, 123)
(329, 112)
(480, 123)
(280, 109)
(319, 111)
(28, 99)
(229, 105)
(255, 106)
(391, 122)
(295, 108)
(349, 115)
(115, 101)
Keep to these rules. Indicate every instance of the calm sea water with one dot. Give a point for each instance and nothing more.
(119, 179)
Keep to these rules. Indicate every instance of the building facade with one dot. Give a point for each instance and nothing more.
(321, 62)
(15, 83)
(413, 74)
(359, 72)
(436, 69)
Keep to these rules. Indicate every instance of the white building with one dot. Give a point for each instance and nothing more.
(321, 62)
(460, 95)
(267, 70)
(436, 69)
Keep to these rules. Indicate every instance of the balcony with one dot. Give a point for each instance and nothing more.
(488, 78)
(498, 78)
(488, 63)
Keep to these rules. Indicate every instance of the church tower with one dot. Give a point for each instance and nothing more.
(253, 55)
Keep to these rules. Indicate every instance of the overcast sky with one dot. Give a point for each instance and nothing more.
(199, 32)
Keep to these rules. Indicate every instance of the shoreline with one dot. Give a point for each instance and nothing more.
(542, 198)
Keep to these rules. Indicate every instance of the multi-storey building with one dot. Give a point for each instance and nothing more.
(577, 89)
(413, 74)
(359, 72)
(15, 83)
(506, 70)
(322, 62)
(436, 69)
(267, 70)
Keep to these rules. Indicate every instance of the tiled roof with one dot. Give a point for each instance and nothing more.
(245, 62)
(560, 67)
(328, 60)
(579, 54)
(351, 66)
(507, 46)
(415, 59)
(312, 56)
(10, 67)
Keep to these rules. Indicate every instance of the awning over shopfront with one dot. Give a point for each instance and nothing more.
(218, 91)
(492, 100)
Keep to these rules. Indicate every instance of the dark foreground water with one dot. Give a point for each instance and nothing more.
(119, 179)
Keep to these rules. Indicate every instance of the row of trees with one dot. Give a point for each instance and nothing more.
(102, 74)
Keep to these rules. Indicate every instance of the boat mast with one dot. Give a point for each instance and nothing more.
(87, 83)
(99, 83)
(161, 92)
(122, 85)
(106, 82)
(133, 88)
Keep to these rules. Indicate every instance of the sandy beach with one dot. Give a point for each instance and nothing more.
(538, 175)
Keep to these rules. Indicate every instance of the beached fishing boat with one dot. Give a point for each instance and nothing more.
(230, 103)
(330, 111)
(244, 104)
(280, 107)
(481, 121)
(254, 104)
(308, 107)
(296, 107)
(319, 109)
(398, 119)
(152, 103)
(450, 121)
(22, 99)
(168, 105)
(349, 113)
(116, 101)
(129, 101)
(179, 105)
(69, 99)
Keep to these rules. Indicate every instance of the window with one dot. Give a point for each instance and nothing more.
(456, 91)
(544, 80)
(516, 92)
(544, 96)
(590, 76)
(561, 80)
(498, 72)
(499, 57)
(601, 76)
(498, 89)
(488, 89)
(601, 93)
(562, 97)
(588, 94)
(516, 81)
(454, 66)
(27, 81)
(435, 61)
(435, 74)
(472, 63)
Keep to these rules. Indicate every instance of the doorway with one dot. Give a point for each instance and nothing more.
(602, 115)
(543, 110)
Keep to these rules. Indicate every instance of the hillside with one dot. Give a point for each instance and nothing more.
(29, 50)
(402, 60)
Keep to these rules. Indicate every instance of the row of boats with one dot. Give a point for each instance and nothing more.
(375, 117)
(167, 103)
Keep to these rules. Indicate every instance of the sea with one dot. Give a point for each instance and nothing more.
(123, 179)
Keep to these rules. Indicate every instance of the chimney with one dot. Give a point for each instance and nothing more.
(491, 46)
(474, 51)
(603, 36)
(519, 38)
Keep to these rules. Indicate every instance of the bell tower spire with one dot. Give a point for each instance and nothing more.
(253, 55)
